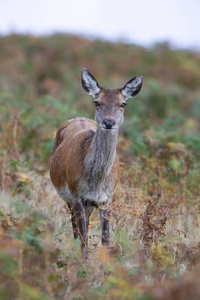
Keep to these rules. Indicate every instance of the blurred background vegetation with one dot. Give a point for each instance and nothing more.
(159, 148)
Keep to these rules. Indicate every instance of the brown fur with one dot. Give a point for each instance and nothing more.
(73, 139)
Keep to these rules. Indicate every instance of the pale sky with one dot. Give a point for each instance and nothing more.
(142, 22)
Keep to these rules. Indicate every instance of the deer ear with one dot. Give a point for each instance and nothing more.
(132, 88)
(89, 83)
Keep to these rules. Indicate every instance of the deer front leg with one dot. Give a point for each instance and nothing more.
(79, 226)
(104, 219)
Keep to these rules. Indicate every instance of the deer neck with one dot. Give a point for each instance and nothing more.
(102, 154)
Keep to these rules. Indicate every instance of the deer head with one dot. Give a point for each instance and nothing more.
(110, 103)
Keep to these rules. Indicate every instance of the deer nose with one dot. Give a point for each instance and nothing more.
(108, 124)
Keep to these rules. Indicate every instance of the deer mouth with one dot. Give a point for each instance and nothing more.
(108, 129)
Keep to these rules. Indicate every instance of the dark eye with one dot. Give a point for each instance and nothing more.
(96, 103)
(123, 105)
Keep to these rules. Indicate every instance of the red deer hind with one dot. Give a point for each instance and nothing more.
(84, 167)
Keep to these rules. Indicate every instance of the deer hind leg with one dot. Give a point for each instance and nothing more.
(87, 215)
(79, 226)
(104, 219)
(88, 210)
(74, 226)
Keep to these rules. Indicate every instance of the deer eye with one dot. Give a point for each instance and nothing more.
(96, 103)
(123, 105)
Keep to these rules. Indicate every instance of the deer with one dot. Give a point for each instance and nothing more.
(84, 167)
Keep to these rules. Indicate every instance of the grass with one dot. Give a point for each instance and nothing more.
(155, 219)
